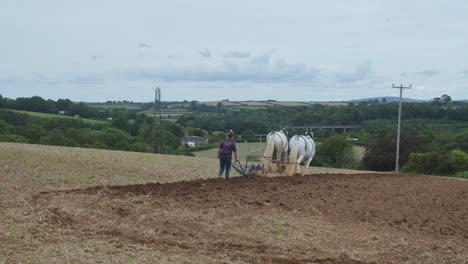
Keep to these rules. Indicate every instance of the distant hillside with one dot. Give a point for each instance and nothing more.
(389, 99)
(268, 103)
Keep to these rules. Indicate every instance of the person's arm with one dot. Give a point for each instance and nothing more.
(219, 152)
(219, 149)
(235, 151)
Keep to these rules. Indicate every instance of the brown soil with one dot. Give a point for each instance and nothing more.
(326, 218)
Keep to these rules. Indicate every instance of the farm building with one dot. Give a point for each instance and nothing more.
(193, 141)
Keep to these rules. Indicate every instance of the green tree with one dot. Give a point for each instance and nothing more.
(33, 132)
(248, 135)
(335, 151)
(362, 135)
(114, 138)
(446, 99)
(458, 160)
(56, 138)
(13, 138)
(380, 156)
(4, 127)
(461, 141)
(64, 104)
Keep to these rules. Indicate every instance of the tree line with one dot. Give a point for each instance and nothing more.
(38, 104)
(127, 131)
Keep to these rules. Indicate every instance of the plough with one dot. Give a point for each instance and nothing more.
(246, 170)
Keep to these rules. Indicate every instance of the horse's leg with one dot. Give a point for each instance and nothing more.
(298, 164)
(307, 163)
(279, 162)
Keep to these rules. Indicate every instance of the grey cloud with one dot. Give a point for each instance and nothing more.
(465, 73)
(261, 69)
(428, 73)
(205, 53)
(143, 45)
(361, 72)
(236, 54)
(88, 78)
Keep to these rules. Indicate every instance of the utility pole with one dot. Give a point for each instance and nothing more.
(157, 108)
(397, 162)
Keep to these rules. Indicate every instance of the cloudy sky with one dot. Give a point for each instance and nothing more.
(204, 50)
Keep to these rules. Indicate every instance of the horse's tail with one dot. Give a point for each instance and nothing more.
(268, 154)
(294, 146)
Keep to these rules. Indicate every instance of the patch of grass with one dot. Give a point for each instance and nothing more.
(463, 175)
(16, 228)
(17, 156)
(5, 190)
(280, 231)
(46, 115)
(244, 150)
(115, 106)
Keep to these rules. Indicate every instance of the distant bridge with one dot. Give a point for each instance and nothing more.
(332, 127)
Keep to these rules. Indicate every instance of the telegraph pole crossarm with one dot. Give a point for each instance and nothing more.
(397, 161)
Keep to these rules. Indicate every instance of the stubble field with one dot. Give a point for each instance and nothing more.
(71, 205)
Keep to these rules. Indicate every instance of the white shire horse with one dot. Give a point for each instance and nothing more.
(277, 142)
(302, 149)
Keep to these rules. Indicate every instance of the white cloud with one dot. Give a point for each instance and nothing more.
(309, 47)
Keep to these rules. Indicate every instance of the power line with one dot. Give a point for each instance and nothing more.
(397, 162)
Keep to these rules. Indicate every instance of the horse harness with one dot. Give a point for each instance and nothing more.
(305, 141)
(279, 135)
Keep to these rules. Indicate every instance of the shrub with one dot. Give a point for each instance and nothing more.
(335, 151)
(462, 140)
(428, 163)
(463, 174)
(13, 138)
(458, 160)
(435, 163)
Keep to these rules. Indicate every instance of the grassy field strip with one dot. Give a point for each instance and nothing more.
(46, 115)
(245, 149)
(115, 106)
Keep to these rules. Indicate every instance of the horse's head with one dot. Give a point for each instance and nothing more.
(309, 133)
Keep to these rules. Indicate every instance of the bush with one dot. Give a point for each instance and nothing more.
(458, 160)
(462, 140)
(335, 151)
(13, 138)
(57, 139)
(428, 163)
(140, 147)
(463, 174)
(435, 163)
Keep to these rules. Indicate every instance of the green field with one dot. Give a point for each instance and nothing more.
(248, 107)
(106, 106)
(243, 150)
(45, 115)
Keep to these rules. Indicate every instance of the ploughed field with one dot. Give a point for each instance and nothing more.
(69, 205)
